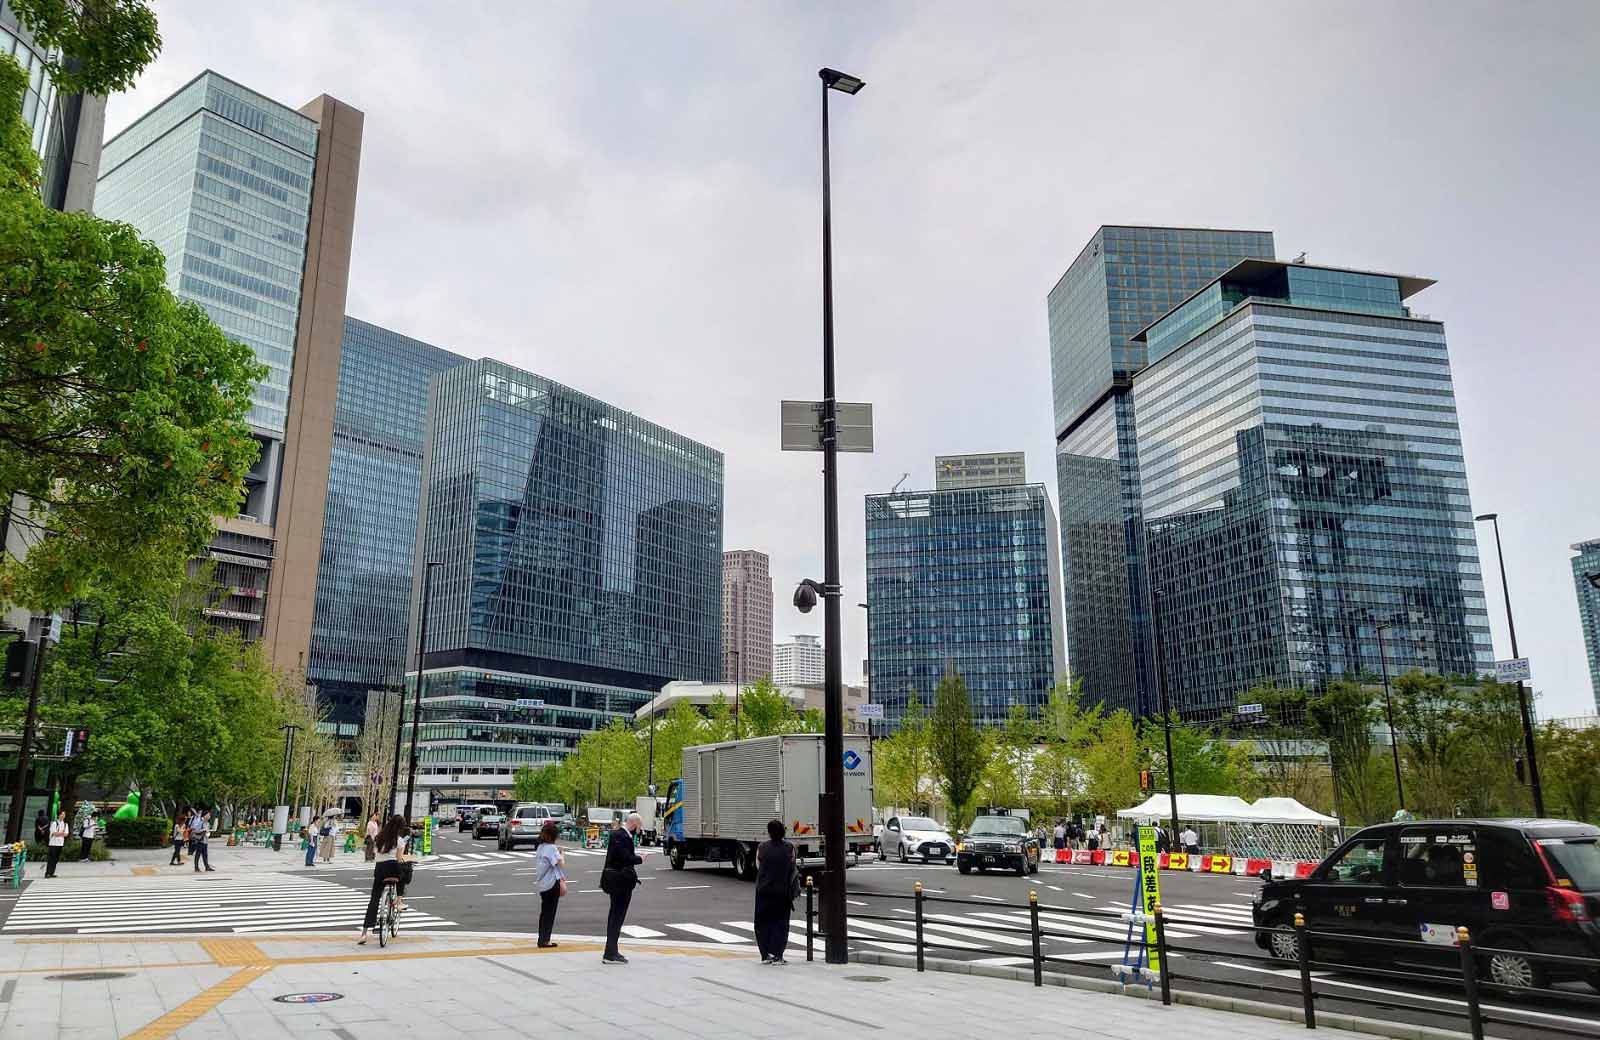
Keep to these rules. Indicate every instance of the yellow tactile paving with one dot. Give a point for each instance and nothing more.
(232, 952)
(190, 1010)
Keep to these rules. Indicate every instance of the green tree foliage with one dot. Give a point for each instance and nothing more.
(765, 712)
(108, 42)
(1206, 763)
(525, 783)
(902, 763)
(1344, 716)
(1284, 757)
(121, 409)
(1569, 761)
(1007, 779)
(1111, 765)
(956, 747)
(1066, 732)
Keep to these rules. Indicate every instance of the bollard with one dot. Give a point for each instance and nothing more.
(918, 891)
(1161, 954)
(1303, 952)
(1033, 926)
(1469, 976)
(810, 918)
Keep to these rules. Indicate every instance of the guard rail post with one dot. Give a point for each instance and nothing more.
(1469, 976)
(1161, 952)
(1302, 948)
(1033, 926)
(918, 892)
(810, 916)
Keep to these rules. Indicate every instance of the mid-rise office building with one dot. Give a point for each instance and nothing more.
(746, 616)
(1124, 278)
(799, 662)
(1585, 574)
(1302, 483)
(967, 578)
(994, 469)
(575, 552)
(253, 204)
(369, 526)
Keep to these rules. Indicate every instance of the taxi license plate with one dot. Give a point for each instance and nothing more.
(988, 860)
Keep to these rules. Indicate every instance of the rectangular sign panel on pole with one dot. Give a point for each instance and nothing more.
(1514, 670)
(870, 711)
(800, 426)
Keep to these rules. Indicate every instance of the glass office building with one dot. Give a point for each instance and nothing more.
(64, 129)
(1303, 483)
(1585, 571)
(369, 528)
(967, 579)
(580, 566)
(1124, 278)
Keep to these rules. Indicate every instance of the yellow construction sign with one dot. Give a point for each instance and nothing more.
(1150, 893)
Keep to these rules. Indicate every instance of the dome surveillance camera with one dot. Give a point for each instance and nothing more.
(805, 597)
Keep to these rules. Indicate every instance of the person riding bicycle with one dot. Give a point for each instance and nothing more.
(390, 863)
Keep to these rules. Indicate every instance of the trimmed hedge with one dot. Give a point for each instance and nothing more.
(38, 852)
(141, 832)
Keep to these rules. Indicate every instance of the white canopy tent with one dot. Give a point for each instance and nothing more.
(1271, 828)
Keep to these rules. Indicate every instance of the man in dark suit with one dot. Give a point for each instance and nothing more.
(620, 877)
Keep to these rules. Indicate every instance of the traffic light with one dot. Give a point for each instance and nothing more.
(19, 664)
(80, 742)
(1144, 780)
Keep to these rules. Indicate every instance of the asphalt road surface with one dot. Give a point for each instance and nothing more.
(470, 885)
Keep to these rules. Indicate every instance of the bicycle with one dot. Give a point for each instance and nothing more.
(389, 911)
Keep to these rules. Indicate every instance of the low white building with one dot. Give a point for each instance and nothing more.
(804, 697)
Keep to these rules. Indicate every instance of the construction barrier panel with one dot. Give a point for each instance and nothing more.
(1177, 861)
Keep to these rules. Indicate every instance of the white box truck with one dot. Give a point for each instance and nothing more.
(719, 807)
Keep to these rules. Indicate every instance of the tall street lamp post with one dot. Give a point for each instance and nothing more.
(1529, 748)
(831, 808)
(281, 816)
(416, 703)
(399, 719)
(1166, 714)
(1388, 712)
(738, 683)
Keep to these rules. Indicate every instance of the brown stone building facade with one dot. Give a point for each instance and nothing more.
(746, 616)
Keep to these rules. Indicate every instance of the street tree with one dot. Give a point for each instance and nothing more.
(1111, 764)
(93, 46)
(122, 409)
(956, 748)
(1569, 761)
(902, 763)
(1343, 715)
(765, 712)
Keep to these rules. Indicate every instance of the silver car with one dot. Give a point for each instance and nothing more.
(905, 837)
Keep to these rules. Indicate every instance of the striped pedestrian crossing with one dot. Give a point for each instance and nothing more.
(251, 903)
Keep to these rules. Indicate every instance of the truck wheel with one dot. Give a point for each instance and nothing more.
(744, 863)
(676, 856)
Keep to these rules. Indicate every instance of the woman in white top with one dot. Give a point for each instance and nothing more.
(390, 850)
(550, 878)
(59, 829)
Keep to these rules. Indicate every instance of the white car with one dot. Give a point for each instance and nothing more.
(905, 837)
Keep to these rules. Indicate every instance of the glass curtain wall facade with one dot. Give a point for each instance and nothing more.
(1303, 482)
(1124, 278)
(580, 552)
(966, 579)
(369, 529)
(1584, 565)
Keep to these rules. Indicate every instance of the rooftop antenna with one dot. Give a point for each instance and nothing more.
(903, 478)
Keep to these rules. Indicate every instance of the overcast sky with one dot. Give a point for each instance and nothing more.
(624, 197)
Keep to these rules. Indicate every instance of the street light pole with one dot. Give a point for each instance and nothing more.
(399, 719)
(831, 809)
(1529, 748)
(30, 733)
(1166, 712)
(1388, 712)
(416, 703)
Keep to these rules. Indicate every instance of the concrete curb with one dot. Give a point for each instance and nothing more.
(1215, 1002)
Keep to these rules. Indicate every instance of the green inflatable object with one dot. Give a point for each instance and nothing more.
(129, 809)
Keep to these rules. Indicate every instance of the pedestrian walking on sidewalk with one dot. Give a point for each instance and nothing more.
(59, 829)
(389, 852)
(180, 831)
(199, 837)
(327, 838)
(1191, 841)
(777, 885)
(618, 880)
(549, 879)
(372, 837)
(308, 838)
(1060, 835)
(88, 835)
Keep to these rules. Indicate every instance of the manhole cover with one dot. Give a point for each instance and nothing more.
(308, 998)
(87, 976)
(866, 978)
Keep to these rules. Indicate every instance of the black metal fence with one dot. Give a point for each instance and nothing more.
(1470, 984)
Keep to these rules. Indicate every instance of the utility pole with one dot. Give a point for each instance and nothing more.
(422, 678)
(1166, 714)
(1530, 749)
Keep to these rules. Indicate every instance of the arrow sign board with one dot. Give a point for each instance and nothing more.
(801, 426)
(1514, 670)
(870, 711)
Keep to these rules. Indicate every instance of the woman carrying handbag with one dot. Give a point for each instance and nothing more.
(550, 878)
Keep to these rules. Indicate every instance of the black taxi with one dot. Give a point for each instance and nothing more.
(999, 841)
(1517, 885)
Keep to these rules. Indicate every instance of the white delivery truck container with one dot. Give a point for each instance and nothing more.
(718, 809)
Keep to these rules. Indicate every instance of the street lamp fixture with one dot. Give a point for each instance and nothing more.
(1529, 748)
(841, 81)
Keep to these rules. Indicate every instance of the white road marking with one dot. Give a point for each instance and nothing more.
(714, 934)
(679, 888)
(637, 931)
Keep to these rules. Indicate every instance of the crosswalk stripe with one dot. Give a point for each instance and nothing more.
(637, 931)
(906, 933)
(1193, 922)
(995, 937)
(714, 934)
(795, 938)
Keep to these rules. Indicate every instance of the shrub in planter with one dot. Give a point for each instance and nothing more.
(38, 852)
(141, 832)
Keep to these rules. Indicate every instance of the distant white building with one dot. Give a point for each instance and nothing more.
(797, 662)
(702, 695)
